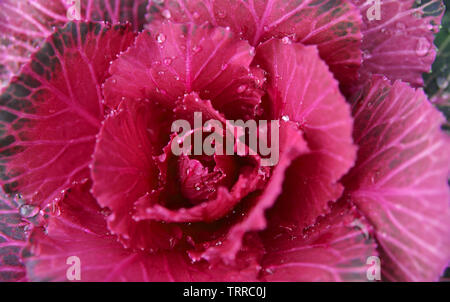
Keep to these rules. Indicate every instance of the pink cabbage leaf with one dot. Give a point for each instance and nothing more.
(79, 229)
(25, 24)
(302, 90)
(53, 110)
(400, 45)
(399, 181)
(333, 25)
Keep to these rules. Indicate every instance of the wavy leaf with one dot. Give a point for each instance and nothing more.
(52, 111)
(399, 181)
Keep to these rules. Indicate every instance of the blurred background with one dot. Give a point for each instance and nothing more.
(437, 82)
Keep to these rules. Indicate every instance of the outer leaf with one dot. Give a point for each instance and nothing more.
(52, 111)
(124, 170)
(177, 59)
(12, 240)
(336, 248)
(80, 230)
(302, 90)
(332, 25)
(399, 181)
(25, 24)
(400, 45)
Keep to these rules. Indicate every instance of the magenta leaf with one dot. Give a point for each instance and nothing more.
(302, 90)
(400, 44)
(79, 229)
(333, 25)
(399, 181)
(336, 248)
(175, 59)
(53, 110)
(211, 185)
(207, 211)
(25, 24)
(124, 169)
(187, 106)
(253, 218)
(197, 182)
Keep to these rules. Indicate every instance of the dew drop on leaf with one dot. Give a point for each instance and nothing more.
(167, 61)
(241, 88)
(161, 38)
(423, 47)
(28, 210)
(166, 14)
(286, 40)
(442, 83)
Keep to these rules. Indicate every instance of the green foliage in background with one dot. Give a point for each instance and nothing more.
(437, 82)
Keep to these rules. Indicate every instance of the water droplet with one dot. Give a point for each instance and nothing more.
(166, 14)
(442, 82)
(27, 228)
(172, 242)
(241, 88)
(106, 212)
(161, 38)
(196, 49)
(286, 40)
(28, 210)
(423, 47)
(18, 198)
(400, 26)
(221, 14)
(417, 14)
(366, 55)
(54, 208)
(167, 61)
(162, 91)
(195, 15)
(285, 118)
